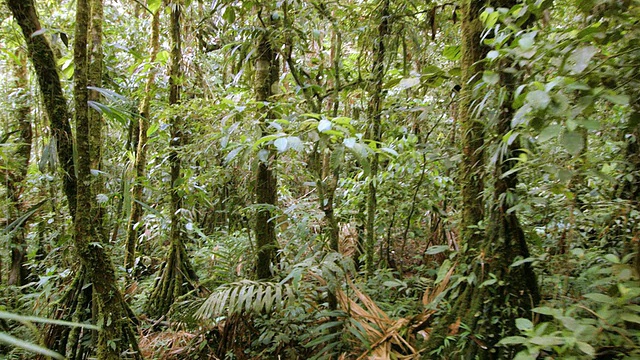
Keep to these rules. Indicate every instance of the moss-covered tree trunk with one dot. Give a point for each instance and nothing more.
(471, 176)
(374, 133)
(471, 168)
(630, 189)
(94, 76)
(488, 312)
(16, 174)
(117, 334)
(266, 77)
(177, 275)
(44, 63)
(133, 226)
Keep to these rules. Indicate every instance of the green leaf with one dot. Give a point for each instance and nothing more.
(630, 317)
(524, 324)
(547, 340)
(452, 52)
(162, 56)
(264, 139)
(612, 258)
(349, 142)
(408, 83)
(442, 271)
(538, 99)
(294, 142)
(10, 316)
(433, 250)
(19, 221)
(586, 348)
(232, 154)
(324, 125)
(389, 151)
(512, 340)
(154, 5)
(13, 341)
(599, 298)
(280, 144)
(580, 58)
(493, 54)
(616, 98)
(337, 157)
(549, 132)
(545, 310)
(523, 261)
(229, 15)
(573, 141)
(490, 77)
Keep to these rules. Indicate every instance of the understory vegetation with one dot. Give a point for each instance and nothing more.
(310, 179)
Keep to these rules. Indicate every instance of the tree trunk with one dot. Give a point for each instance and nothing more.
(18, 273)
(482, 308)
(471, 176)
(96, 58)
(266, 76)
(630, 189)
(177, 275)
(116, 334)
(133, 227)
(44, 63)
(375, 108)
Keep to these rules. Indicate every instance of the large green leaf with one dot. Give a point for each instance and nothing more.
(538, 99)
(573, 141)
(580, 58)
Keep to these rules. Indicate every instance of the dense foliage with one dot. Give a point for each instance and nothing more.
(308, 179)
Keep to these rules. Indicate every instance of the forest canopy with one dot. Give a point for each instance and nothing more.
(311, 179)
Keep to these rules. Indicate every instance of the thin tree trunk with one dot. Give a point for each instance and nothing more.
(266, 75)
(177, 275)
(374, 113)
(95, 118)
(133, 226)
(471, 170)
(18, 273)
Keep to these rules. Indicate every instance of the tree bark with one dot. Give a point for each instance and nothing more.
(177, 275)
(471, 176)
(266, 76)
(133, 227)
(96, 59)
(44, 63)
(18, 273)
(116, 334)
(482, 309)
(374, 113)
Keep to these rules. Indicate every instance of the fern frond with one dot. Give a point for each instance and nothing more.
(245, 296)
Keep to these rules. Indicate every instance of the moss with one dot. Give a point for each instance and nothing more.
(266, 186)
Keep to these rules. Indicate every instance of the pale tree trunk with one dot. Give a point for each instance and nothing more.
(177, 275)
(374, 134)
(266, 76)
(133, 227)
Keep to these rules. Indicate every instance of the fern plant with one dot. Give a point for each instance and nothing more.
(245, 296)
